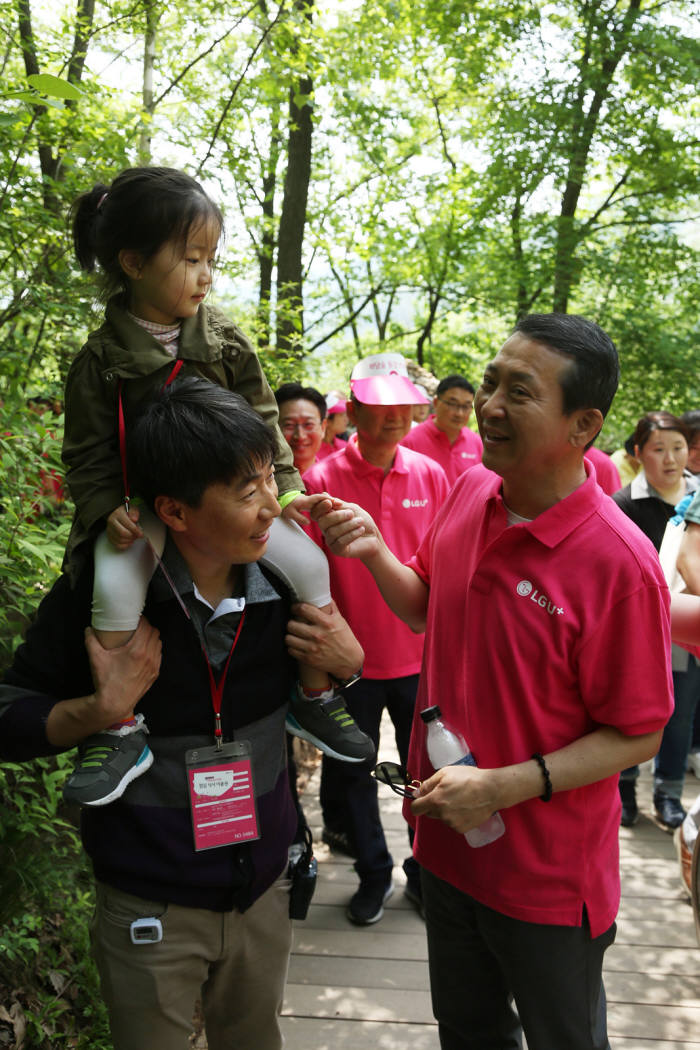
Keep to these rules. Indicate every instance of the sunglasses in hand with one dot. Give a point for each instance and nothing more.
(397, 778)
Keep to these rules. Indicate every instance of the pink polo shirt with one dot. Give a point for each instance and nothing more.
(538, 634)
(402, 503)
(454, 459)
(327, 450)
(606, 473)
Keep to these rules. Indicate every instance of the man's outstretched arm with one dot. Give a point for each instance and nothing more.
(350, 531)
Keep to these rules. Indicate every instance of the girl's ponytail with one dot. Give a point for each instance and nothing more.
(86, 212)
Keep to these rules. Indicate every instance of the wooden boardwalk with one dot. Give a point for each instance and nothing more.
(366, 988)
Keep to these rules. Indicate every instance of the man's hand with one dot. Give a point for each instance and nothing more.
(463, 797)
(122, 676)
(322, 639)
(348, 529)
(122, 527)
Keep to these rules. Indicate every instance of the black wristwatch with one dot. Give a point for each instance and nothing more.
(345, 683)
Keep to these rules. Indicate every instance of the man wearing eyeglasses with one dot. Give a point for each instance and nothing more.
(532, 590)
(445, 436)
(302, 411)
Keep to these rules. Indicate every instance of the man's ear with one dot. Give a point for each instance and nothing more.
(586, 423)
(131, 263)
(172, 512)
(324, 424)
(350, 409)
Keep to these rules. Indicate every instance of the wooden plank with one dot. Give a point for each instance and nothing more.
(359, 1004)
(374, 973)
(304, 1033)
(653, 1022)
(641, 958)
(360, 943)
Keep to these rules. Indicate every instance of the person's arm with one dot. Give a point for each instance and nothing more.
(689, 557)
(464, 796)
(90, 445)
(350, 531)
(322, 638)
(121, 677)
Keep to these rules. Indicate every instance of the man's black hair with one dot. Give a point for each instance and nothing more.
(295, 391)
(592, 379)
(194, 434)
(450, 382)
(692, 421)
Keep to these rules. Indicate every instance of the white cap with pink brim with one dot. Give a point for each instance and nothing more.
(383, 380)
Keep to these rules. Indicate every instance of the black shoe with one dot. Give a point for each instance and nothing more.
(628, 796)
(338, 842)
(668, 812)
(367, 905)
(413, 893)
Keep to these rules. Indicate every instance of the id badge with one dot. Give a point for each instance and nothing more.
(222, 799)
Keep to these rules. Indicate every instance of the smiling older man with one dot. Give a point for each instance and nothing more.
(531, 585)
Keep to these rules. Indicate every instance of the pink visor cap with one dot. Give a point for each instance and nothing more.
(335, 402)
(383, 380)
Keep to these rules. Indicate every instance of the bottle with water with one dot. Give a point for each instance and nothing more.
(448, 748)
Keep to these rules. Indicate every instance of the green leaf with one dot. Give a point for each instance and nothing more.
(56, 87)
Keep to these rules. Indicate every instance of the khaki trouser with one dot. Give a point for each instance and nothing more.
(236, 962)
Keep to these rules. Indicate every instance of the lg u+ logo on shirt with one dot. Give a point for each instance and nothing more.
(526, 590)
(414, 503)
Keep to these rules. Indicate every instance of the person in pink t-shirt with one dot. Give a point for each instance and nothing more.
(533, 589)
(606, 473)
(402, 490)
(445, 436)
(336, 425)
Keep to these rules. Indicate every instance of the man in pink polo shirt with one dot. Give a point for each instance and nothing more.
(530, 585)
(445, 436)
(302, 412)
(402, 490)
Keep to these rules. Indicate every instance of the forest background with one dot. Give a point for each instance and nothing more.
(395, 174)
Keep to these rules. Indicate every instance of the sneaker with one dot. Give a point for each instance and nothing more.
(694, 763)
(328, 725)
(367, 905)
(108, 762)
(628, 797)
(668, 812)
(338, 842)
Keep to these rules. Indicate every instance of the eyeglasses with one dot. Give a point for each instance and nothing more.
(458, 406)
(306, 428)
(397, 778)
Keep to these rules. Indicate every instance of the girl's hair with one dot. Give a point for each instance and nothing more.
(142, 210)
(657, 421)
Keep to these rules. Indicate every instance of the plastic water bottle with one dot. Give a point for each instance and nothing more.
(448, 748)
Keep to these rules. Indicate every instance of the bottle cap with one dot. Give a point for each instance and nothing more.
(430, 713)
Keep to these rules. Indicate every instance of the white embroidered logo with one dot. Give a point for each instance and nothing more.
(526, 590)
(414, 503)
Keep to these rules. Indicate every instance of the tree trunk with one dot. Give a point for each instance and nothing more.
(149, 57)
(598, 81)
(290, 305)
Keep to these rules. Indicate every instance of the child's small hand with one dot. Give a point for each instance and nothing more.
(122, 528)
(303, 505)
